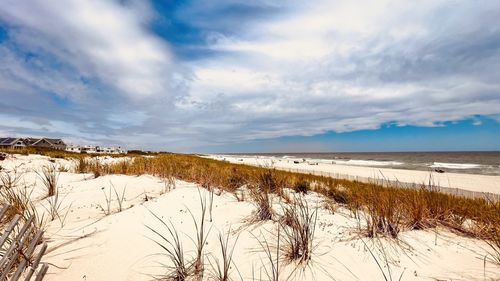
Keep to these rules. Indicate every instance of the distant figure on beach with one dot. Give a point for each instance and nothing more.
(439, 171)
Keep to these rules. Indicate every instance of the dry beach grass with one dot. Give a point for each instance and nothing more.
(279, 204)
(388, 209)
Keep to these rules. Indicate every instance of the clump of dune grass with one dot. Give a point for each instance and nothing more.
(201, 238)
(383, 213)
(54, 208)
(120, 198)
(494, 244)
(169, 184)
(9, 179)
(267, 181)
(108, 199)
(96, 170)
(299, 225)
(270, 265)
(63, 169)
(20, 203)
(263, 203)
(181, 267)
(81, 165)
(170, 242)
(49, 176)
(301, 186)
(418, 215)
(221, 268)
(235, 179)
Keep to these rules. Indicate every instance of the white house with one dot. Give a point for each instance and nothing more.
(95, 149)
(73, 148)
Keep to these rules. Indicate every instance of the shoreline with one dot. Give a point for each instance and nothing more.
(470, 183)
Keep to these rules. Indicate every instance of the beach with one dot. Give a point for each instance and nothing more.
(469, 182)
(99, 240)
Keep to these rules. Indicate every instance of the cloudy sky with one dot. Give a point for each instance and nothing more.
(238, 75)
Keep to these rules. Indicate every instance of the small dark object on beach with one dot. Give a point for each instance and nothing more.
(3, 156)
(296, 162)
(439, 171)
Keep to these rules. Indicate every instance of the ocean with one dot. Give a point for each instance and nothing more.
(470, 162)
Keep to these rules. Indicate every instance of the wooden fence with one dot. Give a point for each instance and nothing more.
(20, 251)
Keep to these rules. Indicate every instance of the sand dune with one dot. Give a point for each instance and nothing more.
(90, 245)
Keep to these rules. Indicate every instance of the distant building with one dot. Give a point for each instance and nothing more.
(12, 143)
(49, 143)
(73, 148)
(32, 142)
(95, 149)
(88, 149)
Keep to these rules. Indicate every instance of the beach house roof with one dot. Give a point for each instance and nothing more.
(54, 141)
(8, 141)
(30, 141)
(11, 142)
(47, 142)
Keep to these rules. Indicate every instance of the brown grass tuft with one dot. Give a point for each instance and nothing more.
(299, 225)
(389, 209)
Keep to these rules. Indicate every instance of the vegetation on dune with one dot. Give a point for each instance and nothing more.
(387, 210)
(49, 177)
(298, 225)
(380, 210)
(183, 267)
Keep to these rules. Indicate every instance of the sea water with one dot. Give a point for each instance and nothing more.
(471, 162)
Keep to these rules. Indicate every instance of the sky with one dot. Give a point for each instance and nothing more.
(253, 76)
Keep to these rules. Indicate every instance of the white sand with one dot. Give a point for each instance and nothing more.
(471, 182)
(92, 246)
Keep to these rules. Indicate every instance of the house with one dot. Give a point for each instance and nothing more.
(110, 150)
(95, 149)
(47, 143)
(56, 143)
(73, 148)
(32, 142)
(12, 143)
(88, 149)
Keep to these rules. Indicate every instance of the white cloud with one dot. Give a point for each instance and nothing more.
(102, 39)
(343, 67)
(310, 68)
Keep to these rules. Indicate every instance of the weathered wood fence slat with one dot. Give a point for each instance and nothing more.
(20, 248)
